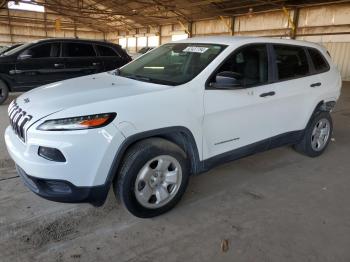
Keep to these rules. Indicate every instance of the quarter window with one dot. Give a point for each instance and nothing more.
(318, 60)
(249, 65)
(291, 62)
(106, 51)
(79, 50)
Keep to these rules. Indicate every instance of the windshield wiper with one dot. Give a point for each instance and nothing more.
(138, 77)
(145, 78)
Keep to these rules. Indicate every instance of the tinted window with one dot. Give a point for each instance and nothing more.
(249, 64)
(106, 51)
(122, 53)
(318, 60)
(79, 50)
(291, 61)
(43, 51)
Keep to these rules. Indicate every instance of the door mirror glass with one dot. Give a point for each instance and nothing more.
(227, 80)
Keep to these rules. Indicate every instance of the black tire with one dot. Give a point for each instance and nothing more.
(135, 159)
(4, 92)
(305, 145)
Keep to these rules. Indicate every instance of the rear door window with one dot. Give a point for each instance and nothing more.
(291, 62)
(79, 50)
(106, 51)
(318, 60)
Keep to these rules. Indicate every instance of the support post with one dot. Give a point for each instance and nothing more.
(233, 20)
(189, 29)
(295, 22)
(45, 21)
(229, 27)
(75, 30)
(136, 39)
(183, 27)
(10, 25)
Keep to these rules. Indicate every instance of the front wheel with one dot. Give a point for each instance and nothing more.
(153, 177)
(317, 135)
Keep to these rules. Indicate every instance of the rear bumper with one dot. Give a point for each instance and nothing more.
(64, 191)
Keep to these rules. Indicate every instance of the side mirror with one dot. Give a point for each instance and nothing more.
(227, 80)
(24, 56)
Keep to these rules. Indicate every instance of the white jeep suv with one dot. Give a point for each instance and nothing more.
(179, 110)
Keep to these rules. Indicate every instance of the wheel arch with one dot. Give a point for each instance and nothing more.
(179, 135)
(322, 106)
(325, 106)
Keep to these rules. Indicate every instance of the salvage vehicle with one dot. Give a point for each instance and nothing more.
(179, 110)
(46, 61)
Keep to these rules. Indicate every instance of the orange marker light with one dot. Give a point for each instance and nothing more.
(94, 122)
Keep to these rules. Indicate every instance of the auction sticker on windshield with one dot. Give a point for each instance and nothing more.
(195, 49)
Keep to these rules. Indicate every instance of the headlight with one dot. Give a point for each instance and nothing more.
(78, 123)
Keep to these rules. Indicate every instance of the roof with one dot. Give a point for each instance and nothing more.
(71, 40)
(234, 40)
(127, 15)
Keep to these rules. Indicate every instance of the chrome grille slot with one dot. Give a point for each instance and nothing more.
(18, 120)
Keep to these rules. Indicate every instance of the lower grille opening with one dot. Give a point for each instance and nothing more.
(57, 187)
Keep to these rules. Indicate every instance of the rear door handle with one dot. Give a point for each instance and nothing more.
(58, 65)
(272, 93)
(95, 63)
(316, 84)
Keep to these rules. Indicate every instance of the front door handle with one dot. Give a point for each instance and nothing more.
(316, 84)
(95, 63)
(272, 93)
(15, 72)
(58, 65)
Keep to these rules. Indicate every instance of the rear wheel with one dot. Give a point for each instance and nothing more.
(4, 92)
(317, 135)
(153, 177)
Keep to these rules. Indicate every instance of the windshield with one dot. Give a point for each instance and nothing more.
(172, 64)
(16, 49)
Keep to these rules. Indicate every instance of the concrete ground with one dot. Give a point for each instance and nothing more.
(274, 206)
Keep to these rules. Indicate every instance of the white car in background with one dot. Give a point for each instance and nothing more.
(179, 110)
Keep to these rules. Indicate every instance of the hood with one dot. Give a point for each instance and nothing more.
(48, 99)
(6, 58)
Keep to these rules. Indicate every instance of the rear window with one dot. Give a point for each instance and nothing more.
(106, 51)
(79, 50)
(318, 60)
(291, 61)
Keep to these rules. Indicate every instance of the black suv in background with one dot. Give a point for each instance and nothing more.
(45, 61)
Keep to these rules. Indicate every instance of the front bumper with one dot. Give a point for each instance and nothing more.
(83, 177)
(64, 191)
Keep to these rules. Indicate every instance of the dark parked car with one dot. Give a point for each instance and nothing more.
(42, 62)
